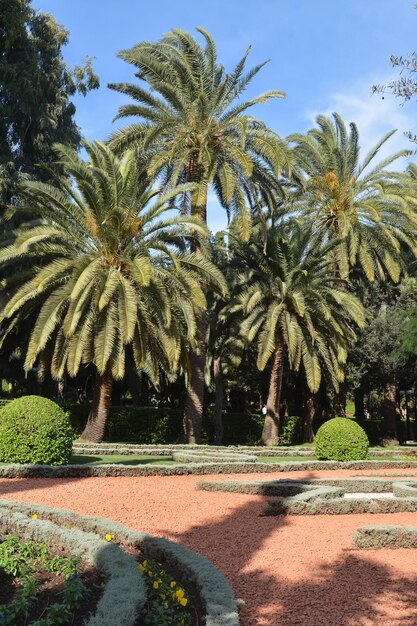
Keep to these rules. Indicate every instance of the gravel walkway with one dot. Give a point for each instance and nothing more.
(291, 571)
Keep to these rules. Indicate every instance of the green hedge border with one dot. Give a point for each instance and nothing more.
(220, 606)
(204, 456)
(377, 537)
(278, 487)
(259, 451)
(289, 506)
(405, 489)
(197, 469)
(123, 577)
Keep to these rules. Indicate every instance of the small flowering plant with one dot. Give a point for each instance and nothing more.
(168, 604)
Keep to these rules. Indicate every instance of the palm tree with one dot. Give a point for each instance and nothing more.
(105, 267)
(196, 129)
(296, 309)
(365, 208)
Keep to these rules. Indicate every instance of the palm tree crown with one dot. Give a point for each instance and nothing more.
(344, 199)
(194, 124)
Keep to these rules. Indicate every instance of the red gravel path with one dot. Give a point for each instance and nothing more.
(300, 570)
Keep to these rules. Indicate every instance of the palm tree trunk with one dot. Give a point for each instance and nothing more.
(219, 387)
(389, 414)
(271, 425)
(359, 399)
(96, 423)
(308, 435)
(339, 402)
(193, 414)
(194, 401)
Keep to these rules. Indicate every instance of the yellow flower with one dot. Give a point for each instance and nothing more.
(173, 583)
(163, 596)
(155, 584)
(145, 563)
(67, 526)
(180, 594)
(34, 516)
(184, 602)
(142, 568)
(108, 537)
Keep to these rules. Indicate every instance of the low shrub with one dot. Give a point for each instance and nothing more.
(341, 439)
(35, 430)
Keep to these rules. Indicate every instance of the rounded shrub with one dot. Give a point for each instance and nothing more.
(34, 430)
(341, 439)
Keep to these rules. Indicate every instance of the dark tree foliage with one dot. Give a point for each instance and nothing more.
(35, 93)
(379, 358)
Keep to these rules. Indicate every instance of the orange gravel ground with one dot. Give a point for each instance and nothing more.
(294, 570)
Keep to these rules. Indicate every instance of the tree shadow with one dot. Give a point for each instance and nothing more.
(353, 590)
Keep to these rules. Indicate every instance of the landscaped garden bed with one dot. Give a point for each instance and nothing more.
(41, 585)
(148, 580)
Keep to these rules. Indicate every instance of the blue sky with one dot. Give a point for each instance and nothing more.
(324, 54)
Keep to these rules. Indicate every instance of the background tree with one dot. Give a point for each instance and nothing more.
(35, 93)
(197, 130)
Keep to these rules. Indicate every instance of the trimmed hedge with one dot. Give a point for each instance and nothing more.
(206, 456)
(219, 603)
(34, 430)
(147, 425)
(375, 537)
(340, 439)
(296, 490)
(340, 506)
(288, 487)
(196, 469)
(405, 489)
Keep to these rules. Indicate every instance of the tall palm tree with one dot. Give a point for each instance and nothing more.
(105, 267)
(196, 129)
(362, 205)
(296, 309)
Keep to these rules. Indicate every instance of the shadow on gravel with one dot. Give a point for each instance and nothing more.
(351, 591)
(9, 486)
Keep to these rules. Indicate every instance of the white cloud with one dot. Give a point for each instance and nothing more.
(374, 115)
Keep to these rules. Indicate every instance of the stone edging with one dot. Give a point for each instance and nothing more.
(219, 603)
(123, 577)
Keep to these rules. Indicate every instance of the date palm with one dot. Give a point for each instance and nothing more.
(103, 268)
(195, 128)
(296, 309)
(361, 204)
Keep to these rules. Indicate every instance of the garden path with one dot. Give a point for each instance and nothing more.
(291, 571)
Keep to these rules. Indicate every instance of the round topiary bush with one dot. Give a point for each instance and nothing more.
(341, 439)
(34, 430)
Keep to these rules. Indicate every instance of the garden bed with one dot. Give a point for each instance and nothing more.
(98, 540)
